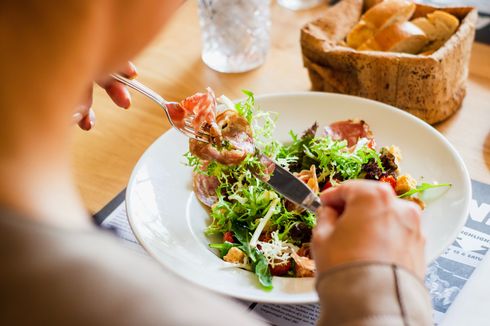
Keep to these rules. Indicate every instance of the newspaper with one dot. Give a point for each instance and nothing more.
(445, 278)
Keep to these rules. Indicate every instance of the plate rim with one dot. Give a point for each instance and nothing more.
(313, 296)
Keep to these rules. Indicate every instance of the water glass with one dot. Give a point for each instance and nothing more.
(235, 33)
(299, 4)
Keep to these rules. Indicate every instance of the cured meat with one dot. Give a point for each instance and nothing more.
(177, 114)
(310, 178)
(268, 167)
(350, 130)
(236, 140)
(200, 106)
(205, 188)
(304, 266)
(305, 250)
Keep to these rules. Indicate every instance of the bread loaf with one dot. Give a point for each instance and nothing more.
(389, 12)
(360, 34)
(431, 87)
(383, 14)
(371, 3)
(400, 37)
(438, 26)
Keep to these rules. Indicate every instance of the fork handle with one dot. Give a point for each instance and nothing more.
(137, 86)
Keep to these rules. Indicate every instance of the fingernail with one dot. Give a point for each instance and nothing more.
(77, 117)
(92, 119)
(135, 71)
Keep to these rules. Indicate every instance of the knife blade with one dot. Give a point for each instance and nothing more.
(285, 183)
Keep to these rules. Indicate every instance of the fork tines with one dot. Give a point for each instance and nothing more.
(191, 132)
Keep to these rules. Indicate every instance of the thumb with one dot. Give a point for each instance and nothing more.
(325, 223)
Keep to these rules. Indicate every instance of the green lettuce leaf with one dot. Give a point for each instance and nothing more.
(423, 187)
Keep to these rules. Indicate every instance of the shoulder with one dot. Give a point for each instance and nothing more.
(91, 278)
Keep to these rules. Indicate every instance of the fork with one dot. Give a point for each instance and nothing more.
(279, 178)
(187, 129)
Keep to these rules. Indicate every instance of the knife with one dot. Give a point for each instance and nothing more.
(285, 183)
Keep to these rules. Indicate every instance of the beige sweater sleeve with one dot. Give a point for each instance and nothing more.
(366, 294)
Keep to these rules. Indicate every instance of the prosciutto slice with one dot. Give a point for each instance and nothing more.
(200, 106)
(304, 266)
(205, 188)
(235, 143)
(350, 130)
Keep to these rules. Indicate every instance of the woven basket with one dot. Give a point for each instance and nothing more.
(431, 87)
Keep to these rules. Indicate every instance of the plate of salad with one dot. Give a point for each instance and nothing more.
(205, 212)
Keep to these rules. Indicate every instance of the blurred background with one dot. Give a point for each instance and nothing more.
(101, 172)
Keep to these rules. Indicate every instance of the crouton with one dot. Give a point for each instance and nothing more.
(397, 153)
(235, 256)
(405, 183)
(417, 201)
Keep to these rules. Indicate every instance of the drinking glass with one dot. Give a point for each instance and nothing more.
(235, 33)
(300, 4)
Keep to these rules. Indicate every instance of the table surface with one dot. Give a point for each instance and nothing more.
(104, 157)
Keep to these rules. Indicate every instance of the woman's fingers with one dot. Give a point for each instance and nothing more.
(356, 191)
(84, 116)
(333, 198)
(77, 117)
(325, 226)
(374, 225)
(117, 91)
(87, 122)
(411, 215)
(129, 70)
(325, 222)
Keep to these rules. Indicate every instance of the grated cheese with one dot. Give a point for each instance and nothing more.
(263, 222)
(276, 252)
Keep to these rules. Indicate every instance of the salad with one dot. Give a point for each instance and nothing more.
(260, 230)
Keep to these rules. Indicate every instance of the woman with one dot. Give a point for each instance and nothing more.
(57, 269)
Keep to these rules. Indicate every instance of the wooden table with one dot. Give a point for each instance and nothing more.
(104, 157)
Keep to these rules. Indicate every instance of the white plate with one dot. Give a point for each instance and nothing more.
(169, 222)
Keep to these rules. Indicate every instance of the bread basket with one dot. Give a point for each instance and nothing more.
(431, 87)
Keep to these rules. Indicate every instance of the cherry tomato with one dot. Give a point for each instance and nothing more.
(228, 236)
(389, 179)
(327, 185)
(371, 143)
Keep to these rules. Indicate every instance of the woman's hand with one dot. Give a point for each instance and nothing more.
(363, 221)
(84, 115)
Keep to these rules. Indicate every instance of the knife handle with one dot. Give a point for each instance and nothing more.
(312, 203)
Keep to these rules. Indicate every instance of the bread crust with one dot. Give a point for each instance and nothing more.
(431, 87)
(400, 37)
(378, 17)
(389, 12)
